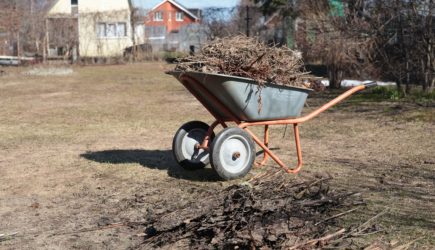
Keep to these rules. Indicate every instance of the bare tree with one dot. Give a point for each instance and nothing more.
(405, 41)
(135, 17)
(392, 39)
(338, 40)
(428, 44)
(341, 41)
(24, 21)
(218, 22)
(11, 21)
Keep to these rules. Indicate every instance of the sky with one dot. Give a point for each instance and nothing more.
(148, 4)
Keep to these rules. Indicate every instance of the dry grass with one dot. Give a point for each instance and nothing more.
(93, 148)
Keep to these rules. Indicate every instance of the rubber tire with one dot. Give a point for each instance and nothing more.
(217, 155)
(177, 145)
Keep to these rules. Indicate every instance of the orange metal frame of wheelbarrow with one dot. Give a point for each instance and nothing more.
(192, 85)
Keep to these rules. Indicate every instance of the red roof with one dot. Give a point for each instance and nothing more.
(179, 6)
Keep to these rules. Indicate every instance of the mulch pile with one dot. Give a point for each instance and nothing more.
(247, 57)
(271, 212)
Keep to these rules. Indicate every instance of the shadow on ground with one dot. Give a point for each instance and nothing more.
(153, 159)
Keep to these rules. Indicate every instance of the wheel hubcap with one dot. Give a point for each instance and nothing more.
(235, 154)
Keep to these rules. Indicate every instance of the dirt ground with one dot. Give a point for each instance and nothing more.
(86, 156)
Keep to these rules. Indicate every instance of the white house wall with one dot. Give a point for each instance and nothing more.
(92, 12)
(93, 46)
(87, 6)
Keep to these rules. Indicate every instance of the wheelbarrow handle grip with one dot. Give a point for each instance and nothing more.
(370, 84)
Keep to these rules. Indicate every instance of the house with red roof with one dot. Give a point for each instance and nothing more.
(167, 17)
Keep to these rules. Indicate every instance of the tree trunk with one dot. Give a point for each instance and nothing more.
(335, 77)
(46, 41)
(425, 84)
(18, 44)
(133, 29)
(429, 80)
(430, 71)
(407, 84)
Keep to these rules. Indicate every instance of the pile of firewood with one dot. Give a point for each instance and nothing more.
(247, 57)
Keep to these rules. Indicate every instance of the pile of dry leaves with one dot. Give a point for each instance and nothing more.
(247, 57)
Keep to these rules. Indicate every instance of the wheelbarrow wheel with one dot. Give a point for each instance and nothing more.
(232, 153)
(184, 145)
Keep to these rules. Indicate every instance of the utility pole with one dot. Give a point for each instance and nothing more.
(247, 21)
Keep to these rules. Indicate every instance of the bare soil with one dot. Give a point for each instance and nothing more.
(85, 159)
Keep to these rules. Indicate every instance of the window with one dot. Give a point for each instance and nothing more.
(179, 16)
(155, 32)
(101, 30)
(111, 30)
(121, 30)
(74, 2)
(158, 16)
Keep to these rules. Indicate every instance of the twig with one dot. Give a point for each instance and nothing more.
(336, 216)
(315, 241)
(252, 64)
(363, 226)
(330, 199)
(285, 131)
(357, 231)
(257, 176)
(407, 245)
(264, 176)
(114, 225)
(361, 234)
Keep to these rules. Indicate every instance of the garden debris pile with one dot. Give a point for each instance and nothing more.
(269, 212)
(247, 57)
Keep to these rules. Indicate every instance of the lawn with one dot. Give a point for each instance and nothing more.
(84, 154)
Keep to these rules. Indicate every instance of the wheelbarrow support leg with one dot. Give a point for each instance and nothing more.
(266, 143)
(298, 149)
(205, 142)
(274, 157)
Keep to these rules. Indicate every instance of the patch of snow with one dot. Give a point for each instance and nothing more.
(51, 71)
(352, 83)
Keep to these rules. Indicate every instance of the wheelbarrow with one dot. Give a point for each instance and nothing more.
(231, 152)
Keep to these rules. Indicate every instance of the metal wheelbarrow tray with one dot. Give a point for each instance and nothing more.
(236, 99)
(240, 96)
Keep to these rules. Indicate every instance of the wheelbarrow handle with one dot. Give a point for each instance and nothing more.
(314, 113)
(331, 103)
